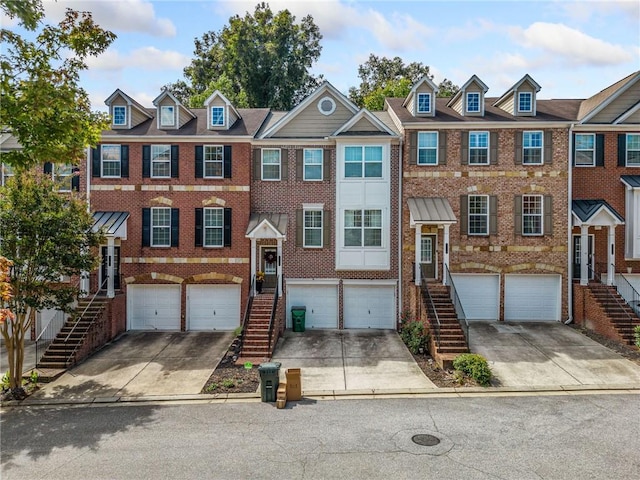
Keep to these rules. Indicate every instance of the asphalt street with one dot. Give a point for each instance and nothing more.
(586, 436)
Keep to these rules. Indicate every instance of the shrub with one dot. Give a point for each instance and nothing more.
(475, 366)
(637, 333)
(415, 336)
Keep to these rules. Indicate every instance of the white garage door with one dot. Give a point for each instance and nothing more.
(479, 295)
(213, 307)
(153, 307)
(532, 297)
(321, 302)
(369, 306)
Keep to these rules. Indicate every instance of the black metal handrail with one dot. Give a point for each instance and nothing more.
(274, 308)
(457, 304)
(431, 311)
(628, 292)
(49, 333)
(247, 312)
(616, 299)
(79, 318)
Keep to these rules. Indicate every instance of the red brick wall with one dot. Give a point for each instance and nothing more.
(588, 313)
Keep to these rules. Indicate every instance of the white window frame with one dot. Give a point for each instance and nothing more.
(637, 150)
(472, 214)
(218, 211)
(427, 149)
(305, 164)
(103, 160)
(62, 174)
(124, 115)
(314, 227)
(418, 102)
(222, 117)
(592, 150)
(364, 162)
(208, 152)
(360, 223)
(163, 109)
(7, 172)
(521, 96)
(469, 96)
(155, 151)
(279, 164)
(531, 215)
(154, 227)
(526, 147)
(426, 238)
(487, 148)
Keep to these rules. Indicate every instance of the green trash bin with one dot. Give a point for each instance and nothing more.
(298, 317)
(269, 380)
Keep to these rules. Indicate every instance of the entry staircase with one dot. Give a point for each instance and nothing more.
(256, 345)
(621, 316)
(449, 339)
(63, 350)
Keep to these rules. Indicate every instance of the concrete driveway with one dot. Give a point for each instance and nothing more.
(142, 364)
(350, 360)
(548, 354)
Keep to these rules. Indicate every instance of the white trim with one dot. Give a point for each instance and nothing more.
(627, 114)
(418, 111)
(437, 149)
(219, 94)
(326, 99)
(262, 179)
(611, 98)
(364, 113)
(312, 281)
(531, 95)
(173, 119)
(370, 282)
(430, 84)
(304, 165)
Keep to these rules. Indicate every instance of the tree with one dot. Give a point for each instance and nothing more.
(42, 104)
(394, 88)
(447, 89)
(47, 235)
(379, 74)
(259, 60)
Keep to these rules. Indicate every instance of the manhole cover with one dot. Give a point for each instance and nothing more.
(425, 440)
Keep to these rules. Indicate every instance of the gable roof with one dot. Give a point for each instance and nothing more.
(515, 87)
(128, 99)
(166, 93)
(585, 210)
(424, 79)
(591, 106)
(459, 93)
(366, 114)
(322, 89)
(276, 222)
(632, 181)
(219, 94)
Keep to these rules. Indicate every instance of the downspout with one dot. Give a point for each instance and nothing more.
(569, 229)
(400, 226)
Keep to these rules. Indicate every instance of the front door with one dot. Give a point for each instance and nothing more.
(269, 265)
(576, 257)
(428, 256)
(104, 268)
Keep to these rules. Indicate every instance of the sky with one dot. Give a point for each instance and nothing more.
(572, 49)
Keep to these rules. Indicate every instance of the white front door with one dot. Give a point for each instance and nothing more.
(369, 306)
(479, 294)
(213, 307)
(153, 307)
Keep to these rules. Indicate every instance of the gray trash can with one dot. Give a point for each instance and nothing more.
(269, 380)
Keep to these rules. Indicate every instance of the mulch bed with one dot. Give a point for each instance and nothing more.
(626, 351)
(231, 378)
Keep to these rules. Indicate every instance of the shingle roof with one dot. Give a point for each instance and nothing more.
(591, 103)
(632, 180)
(585, 209)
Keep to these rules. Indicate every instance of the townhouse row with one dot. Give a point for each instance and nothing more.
(513, 199)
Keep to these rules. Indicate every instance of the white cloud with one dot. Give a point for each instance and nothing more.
(584, 10)
(116, 15)
(573, 46)
(144, 59)
(399, 33)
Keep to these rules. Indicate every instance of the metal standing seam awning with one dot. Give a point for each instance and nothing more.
(590, 211)
(430, 211)
(110, 223)
(275, 222)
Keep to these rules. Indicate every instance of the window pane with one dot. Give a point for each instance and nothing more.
(373, 238)
(160, 227)
(217, 116)
(473, 102)
(313, 164)
(532, 214)
(424, 102)
(213, 161)
(524, 102)
(532, 147)
(426, 251)
(633, 149)
(119, 115)
(427, 148)
(373, 162)
(478, 215)
(110, 160)
(166, 115)
(585, 149)
(271, 164)
(585, 141)
(313, 228)
(353, 154)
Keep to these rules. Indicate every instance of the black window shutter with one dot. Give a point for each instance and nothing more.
(326, 228)
(48, 168)
(227, 161)
(464, 148)
(175, 227)
(413, 148)
(622, 149)
(257, 164)
(95, 161)
(284, 164)
(174, 161)
(464, 218)
(124, 161)
(493, 148)
(146, 227)
(599, 150)
(442, 148)
(299, 164)
(326, 164)
(493, 215)
(75, 180)
(227, 227)
(146, 161)
(517, 215)
(198, 232)
(548, 215)
(299, 227)
(518, 148)
(548, 148)
(199, 161)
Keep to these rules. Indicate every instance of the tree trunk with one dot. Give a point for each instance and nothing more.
(13, 334)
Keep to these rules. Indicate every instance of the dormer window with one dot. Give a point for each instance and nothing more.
(424, 103)
(525, 101)
(167, 116)
(473, 102)
(119, 115)
(217, 116)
